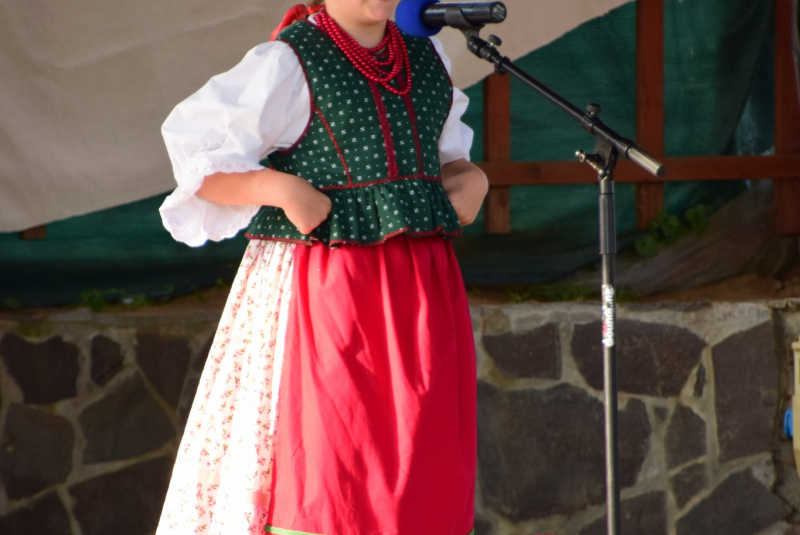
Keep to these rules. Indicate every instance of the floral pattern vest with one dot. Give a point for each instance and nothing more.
(374, 153)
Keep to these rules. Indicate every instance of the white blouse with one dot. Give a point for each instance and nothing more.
(236, 120)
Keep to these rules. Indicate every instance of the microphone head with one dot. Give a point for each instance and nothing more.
(408, 17)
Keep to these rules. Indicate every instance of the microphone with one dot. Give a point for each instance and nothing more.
(424, 18)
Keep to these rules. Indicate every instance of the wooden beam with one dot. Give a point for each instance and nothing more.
(497, 148)
(787, 119)
(649, 101)
(649, 202)
(35, 233)
(780, 168)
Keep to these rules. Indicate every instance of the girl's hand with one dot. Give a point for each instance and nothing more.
(465, 186)
(306, 206)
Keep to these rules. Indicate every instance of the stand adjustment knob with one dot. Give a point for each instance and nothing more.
(495, 41)
(594, 109)
(592, 159)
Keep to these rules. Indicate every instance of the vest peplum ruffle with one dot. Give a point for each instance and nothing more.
(369, 215)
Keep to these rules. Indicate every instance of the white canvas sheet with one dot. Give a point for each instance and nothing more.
(85, 85)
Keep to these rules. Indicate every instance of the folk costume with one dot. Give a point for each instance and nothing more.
(338, 397)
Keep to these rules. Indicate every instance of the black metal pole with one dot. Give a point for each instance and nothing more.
(608, 250)
(604, 160)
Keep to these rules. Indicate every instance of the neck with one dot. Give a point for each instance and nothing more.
(367, 34)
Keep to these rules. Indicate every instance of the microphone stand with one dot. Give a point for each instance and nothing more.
(609, 145)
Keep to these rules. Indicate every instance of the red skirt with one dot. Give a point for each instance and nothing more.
(376, 433)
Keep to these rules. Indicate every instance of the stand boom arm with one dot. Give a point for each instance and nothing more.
(589, 120)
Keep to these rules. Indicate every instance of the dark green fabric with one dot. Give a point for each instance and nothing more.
(717, 62)
(344, 152)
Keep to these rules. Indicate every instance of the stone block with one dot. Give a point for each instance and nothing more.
(45, 372)
(187, 399)
(126, 422)
(686, 437)
(642, 515)
(45, 516)
(532, 354)
(127, 502)
(541, 453)
(652, 359)
(107, 360)
(483, 526)
(164, 363)
(199, 361)
(688, 483)
(740, 505)
(745, 387)
(36, 451)
(788, 484)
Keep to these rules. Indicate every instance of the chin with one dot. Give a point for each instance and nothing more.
(378, 16)
(384, 9)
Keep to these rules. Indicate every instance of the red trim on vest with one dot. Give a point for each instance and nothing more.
(274, 238)
(391, 157)
(383, 180)
(310, 98)
(412, 117)
(335, 144)
(405, 230)
(436, 54)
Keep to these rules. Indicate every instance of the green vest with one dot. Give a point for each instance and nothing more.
(374, 153)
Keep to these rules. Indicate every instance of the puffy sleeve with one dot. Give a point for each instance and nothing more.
(456, 138)
(229, 125)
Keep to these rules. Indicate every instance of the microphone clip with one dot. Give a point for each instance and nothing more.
(485, 49)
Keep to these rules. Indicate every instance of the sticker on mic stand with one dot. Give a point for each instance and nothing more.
(608, 315)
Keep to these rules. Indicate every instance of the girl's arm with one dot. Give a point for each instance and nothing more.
(466, 186)
(464, 183)
(226, 128)
(304, 205)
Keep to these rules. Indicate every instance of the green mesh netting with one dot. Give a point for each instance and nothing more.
(719, 92)
(718, 100)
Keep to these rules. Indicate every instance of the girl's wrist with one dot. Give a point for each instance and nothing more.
(278, 189)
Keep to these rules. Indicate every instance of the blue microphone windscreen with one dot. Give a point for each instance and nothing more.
(408, 17)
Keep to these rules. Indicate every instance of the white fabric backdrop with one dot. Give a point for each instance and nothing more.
(86, 84)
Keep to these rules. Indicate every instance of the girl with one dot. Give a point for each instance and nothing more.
(338, 397)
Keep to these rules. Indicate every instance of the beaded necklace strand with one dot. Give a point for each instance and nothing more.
(375, 70)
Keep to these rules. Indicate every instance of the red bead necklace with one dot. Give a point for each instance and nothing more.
(363, 59)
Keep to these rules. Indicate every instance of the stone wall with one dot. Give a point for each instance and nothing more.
(702, 392)
(93, 404)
